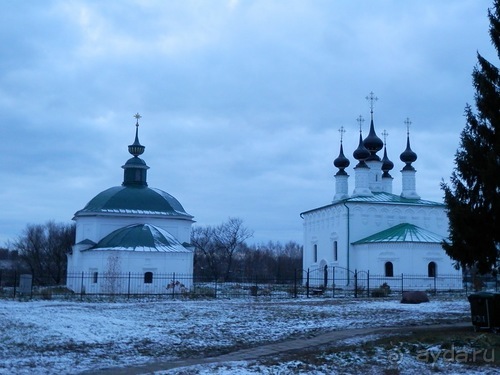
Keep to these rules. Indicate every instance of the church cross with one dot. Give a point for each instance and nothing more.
(360, 121)
(385, 134)
(341, 131)
(407, 123)
(372, 98)
(137, 117)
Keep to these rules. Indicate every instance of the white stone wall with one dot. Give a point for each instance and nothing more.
(407, 258)
(94, 228)
(113, 268)
(324, 226)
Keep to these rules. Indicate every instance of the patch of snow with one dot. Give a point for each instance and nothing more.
(40, 337)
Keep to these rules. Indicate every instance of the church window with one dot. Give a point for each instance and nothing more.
(95, 277)
(315, 253)
(389, 269)
(148, 277)
(431, 269)
(335, 251)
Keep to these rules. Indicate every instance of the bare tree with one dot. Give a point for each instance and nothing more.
(272, 261)
(216, 246)
(60, 239)
(207, 257)
(112, 275)
(229, 236)
(43, 248)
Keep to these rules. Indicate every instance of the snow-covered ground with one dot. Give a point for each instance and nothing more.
(67, 337)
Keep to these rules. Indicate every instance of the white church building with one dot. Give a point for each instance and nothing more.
(376, 231)
(131, 238)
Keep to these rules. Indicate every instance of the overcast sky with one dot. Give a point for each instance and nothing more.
(241, 100)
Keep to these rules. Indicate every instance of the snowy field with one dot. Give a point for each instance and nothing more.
(68, 337)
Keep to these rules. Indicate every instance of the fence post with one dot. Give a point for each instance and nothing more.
(15, 283)
(81, 288)
(435, 287)
(295, 283)
(355, 283)
(173, 285)
(307, 284)
(368, 283)
(402, 283)
(325, 277)
(333, 282)
(128, 287)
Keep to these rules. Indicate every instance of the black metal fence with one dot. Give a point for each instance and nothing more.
(327, 282)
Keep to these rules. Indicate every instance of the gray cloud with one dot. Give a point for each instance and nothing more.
(241, 101)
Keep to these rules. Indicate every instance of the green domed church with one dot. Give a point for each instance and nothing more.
(131, 238)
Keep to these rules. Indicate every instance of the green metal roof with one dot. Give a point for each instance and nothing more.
(392, 198)
(134, 200)
(381, 198)
(402, 233)
(140, 237)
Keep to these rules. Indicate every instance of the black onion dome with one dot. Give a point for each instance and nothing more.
(341, 162)
(387, 165)
(408, 156)
(373, 143)
(361, 153)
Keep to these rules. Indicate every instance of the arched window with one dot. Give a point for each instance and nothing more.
(335, 251)
(148, 277)
(315, 253)
(431, 269)
(95, 277)
(389, 269)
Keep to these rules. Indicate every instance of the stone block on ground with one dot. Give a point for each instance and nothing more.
(414, 297)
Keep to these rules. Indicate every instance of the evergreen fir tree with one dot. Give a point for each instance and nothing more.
(473, 199)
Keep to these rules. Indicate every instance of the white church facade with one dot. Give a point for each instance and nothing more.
(375, 231)
(131, 238)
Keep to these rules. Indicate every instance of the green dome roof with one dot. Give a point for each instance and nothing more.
(134, 200)
(140, 237)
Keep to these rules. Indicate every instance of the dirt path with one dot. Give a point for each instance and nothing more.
(277, 348)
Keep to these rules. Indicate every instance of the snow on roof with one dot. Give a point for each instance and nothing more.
(140, 237)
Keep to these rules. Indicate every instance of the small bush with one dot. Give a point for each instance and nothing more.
(46, 294)
(360, 289)
(382, 291)
(378, 293)
(254, 290)
(202, 292)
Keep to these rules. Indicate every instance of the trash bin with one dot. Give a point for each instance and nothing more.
(485, 310)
